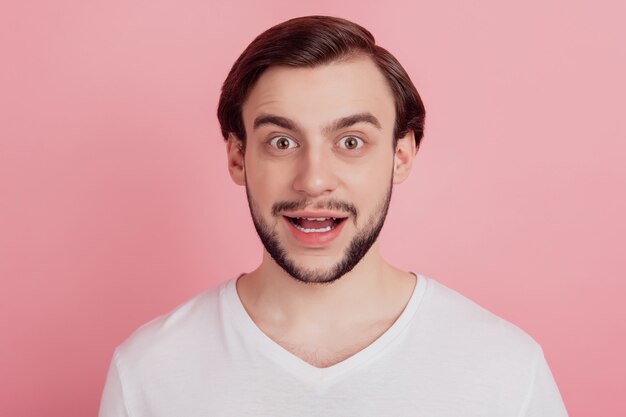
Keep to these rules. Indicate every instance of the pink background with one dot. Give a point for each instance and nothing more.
(116, 206)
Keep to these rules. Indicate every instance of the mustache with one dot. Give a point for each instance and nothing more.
(332, 204)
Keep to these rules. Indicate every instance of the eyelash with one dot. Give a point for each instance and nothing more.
(272, 142)
(360, 145)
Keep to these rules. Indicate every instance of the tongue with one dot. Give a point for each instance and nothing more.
(314, 224)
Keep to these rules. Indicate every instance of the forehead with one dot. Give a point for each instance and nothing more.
(314, 96)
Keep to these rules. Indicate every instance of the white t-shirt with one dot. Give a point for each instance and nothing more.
(444, 356)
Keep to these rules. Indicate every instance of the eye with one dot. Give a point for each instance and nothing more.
(283, 142)
(351, 142)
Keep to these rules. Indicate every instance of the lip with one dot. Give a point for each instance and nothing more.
(312, 214)
(315, 240)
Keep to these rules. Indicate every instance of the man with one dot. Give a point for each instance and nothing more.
(320, 123)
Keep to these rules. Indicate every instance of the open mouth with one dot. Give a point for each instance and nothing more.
(315, 224)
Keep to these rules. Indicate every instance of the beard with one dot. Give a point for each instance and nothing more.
(356, 250)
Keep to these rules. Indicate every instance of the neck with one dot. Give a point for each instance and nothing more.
(372, 291)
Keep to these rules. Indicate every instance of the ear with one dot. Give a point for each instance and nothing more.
(235, 154)
(403, 157)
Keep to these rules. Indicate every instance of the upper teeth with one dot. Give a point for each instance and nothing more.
(317, 219)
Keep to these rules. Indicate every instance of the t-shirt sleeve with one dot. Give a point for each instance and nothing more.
(543, 398)
(112, 403)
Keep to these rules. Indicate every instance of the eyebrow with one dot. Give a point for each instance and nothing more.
(270, 119)
(352, 120)
(342, 123)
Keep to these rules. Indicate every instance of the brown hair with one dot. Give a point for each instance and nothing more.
(307, 42)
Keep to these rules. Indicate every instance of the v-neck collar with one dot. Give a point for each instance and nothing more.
(301, 369)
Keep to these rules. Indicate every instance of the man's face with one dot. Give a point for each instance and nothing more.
(318, 164)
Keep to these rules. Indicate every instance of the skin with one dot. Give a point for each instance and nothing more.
(322, 323)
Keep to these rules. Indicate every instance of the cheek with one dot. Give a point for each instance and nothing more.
(369, 186)
(370, 177)
(267, 182)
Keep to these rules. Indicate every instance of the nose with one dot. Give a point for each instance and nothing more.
(315, 173)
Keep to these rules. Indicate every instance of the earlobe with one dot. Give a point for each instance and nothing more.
(403, 157)
(235, 155)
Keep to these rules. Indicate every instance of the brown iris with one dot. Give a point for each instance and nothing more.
(282, 143)
(351, 142)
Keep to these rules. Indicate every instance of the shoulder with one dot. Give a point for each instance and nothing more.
(460, 322)
(185, 328)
